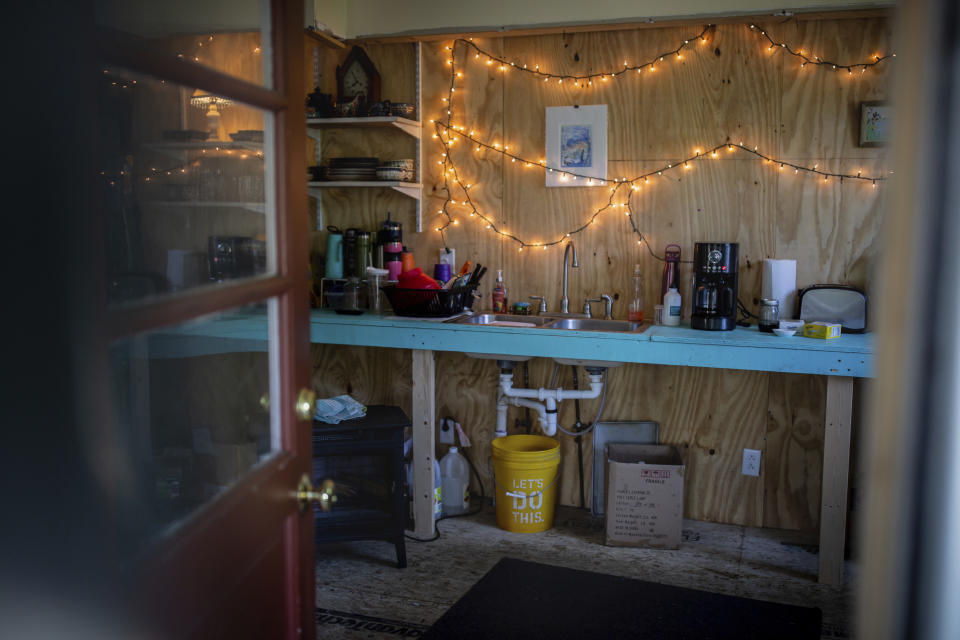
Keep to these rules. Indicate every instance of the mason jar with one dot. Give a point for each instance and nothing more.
(769, 314)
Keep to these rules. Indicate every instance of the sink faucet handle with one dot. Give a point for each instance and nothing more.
(586, 305)
(608, 306)
(543, 303)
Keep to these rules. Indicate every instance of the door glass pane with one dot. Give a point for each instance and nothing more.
(184, 183)
(230, 36)
(191, 403)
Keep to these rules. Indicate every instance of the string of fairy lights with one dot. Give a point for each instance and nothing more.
(621, 189)
(200, 43)
(113, 178)
(587, 79)
(816, 60)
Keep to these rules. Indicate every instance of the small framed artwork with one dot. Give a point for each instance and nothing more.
(875, 124)
(576, 146)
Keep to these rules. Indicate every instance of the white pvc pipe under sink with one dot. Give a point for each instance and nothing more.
(546, 407)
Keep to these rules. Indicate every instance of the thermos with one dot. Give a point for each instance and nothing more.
(671, 269)
(390, 232)
(364, 254)
(350, 251)
(334, 263)
(390, 238)
(392, 265)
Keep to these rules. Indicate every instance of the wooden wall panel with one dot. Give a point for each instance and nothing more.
(710, 416)
(821, 108)
(481, 92)
(793, 457)
(371, 376)
(730, 89)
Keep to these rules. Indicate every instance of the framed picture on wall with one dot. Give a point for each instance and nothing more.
(875, 124)
(576, 143)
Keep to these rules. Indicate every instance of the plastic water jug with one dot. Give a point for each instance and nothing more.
(455, 474)
(334, 262)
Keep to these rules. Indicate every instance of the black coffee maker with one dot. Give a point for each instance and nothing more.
(714, 286)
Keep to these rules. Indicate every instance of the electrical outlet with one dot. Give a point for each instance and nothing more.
(446, 431)
(449, 258)
(751, 462)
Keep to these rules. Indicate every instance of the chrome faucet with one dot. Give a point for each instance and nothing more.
(607, 307)
(543, 303)
(564, 301)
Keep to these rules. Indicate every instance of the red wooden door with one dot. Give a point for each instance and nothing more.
(197, 329)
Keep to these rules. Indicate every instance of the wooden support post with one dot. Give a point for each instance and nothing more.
(424, 419)
(836, 471)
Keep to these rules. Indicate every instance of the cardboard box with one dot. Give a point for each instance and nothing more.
(821, 330)
(644, 496)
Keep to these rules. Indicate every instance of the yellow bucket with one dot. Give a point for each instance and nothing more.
(526, 470)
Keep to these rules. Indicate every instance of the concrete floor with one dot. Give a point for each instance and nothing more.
(361, 593)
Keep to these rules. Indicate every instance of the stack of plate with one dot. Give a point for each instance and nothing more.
(247, 135)
(351, 169)
(396, 170)
(185, 135)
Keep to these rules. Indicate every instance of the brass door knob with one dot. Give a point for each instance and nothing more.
(323, 495)
(306, 404)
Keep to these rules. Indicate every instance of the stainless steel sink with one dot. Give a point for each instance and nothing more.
(596, 324)
(502, 319)
(552, 322)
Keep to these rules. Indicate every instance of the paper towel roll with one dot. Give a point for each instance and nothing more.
(780, 283)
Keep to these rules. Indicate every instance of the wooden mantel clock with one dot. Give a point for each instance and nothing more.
(358, 76)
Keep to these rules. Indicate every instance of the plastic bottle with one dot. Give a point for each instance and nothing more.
(635, 310)
(437, 491)
(671, 268)
(671, 307)
(455, 471)
(499, 294)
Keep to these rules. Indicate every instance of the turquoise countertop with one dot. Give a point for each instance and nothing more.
(742, 348)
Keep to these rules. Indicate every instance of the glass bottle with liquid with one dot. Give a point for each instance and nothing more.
(635, 310)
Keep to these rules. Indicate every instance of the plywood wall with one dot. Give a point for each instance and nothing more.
(730, 89)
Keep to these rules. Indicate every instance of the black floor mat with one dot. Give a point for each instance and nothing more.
(519, 599)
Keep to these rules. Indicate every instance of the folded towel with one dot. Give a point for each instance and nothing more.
(338, 409)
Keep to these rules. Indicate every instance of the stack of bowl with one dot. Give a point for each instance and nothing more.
(396, 171)
(402, 109)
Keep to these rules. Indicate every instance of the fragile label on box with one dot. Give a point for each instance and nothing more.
(644, 496)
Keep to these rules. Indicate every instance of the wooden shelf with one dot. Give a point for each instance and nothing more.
(410, 189)
(324, 38)
(408, 126)
(412, 128)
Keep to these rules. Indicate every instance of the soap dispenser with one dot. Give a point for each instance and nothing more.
(499, 294)
(635, 310)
